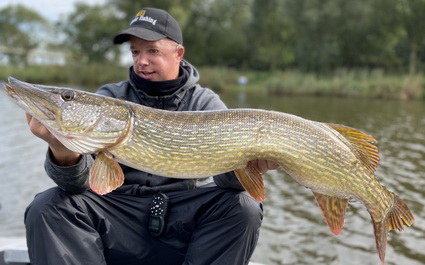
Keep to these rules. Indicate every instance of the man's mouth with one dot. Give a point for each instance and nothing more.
(146, 74)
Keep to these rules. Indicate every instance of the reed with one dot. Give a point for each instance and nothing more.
(342, 83)
(87, 76)
(360, 83)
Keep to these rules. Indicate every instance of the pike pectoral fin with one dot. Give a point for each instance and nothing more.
(105, 175)
(252, 181)
(333, 211)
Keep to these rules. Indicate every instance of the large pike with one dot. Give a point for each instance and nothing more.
(336, 162)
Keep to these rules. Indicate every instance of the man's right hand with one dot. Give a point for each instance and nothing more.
(62, 155)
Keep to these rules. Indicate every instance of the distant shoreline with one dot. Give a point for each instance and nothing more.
(356, 83)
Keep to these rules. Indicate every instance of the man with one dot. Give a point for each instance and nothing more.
(208, 221)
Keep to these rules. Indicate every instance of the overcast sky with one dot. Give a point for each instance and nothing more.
(50, 9)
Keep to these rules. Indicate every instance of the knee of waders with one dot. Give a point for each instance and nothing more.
(45, 204)
(247, 210)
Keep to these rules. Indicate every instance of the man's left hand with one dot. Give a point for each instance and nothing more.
(265, 165)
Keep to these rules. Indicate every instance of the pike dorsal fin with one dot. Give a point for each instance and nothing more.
(105, 174)
(252, 181)
(333, 211)
(363, 145)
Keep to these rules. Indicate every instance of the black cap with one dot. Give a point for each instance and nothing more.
(151, 24)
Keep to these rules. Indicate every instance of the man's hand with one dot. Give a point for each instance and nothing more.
(62, 155)
(265, 165)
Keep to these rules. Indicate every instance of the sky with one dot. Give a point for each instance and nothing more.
(50, 9)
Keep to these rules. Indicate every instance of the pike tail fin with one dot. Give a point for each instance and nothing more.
(381, 233)
(252, 181)
(398, 216)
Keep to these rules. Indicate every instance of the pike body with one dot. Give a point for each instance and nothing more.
(336, 162)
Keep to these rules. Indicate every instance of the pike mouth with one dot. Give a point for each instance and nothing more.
(30, 104)
(12, 92)
(15, 96)
(10, 89)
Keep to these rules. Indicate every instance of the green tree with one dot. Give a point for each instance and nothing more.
(411, 13)
(89, 31)
(179, 9)
(270, 36)
(337, 33)
(18, 31)
(310, 35)
(216, 33)
(213, 31)
(378, 35)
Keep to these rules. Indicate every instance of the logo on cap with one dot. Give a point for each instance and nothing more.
(140, 16)
(141, 13)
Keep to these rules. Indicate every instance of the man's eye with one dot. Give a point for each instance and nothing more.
(134, 52)
(153, 51)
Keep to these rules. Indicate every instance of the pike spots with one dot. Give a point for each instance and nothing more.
(263, 133)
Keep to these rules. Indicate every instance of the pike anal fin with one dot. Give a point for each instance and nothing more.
(252, 181)
(105, 174)
(333, 211)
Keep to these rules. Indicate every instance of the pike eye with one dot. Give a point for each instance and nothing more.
(67, 95)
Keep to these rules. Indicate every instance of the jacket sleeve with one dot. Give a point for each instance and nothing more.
(72, 179)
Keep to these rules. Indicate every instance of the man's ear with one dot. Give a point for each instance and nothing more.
(180, 52)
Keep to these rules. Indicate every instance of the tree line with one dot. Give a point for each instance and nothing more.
(318, 36)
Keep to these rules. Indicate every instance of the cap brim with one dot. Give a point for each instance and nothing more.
(142, 33)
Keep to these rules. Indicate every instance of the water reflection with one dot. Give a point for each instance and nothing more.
(293, 230)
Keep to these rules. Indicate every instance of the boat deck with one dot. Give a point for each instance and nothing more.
(13, 250)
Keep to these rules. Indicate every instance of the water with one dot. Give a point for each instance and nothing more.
(293, 230)
(21, 168)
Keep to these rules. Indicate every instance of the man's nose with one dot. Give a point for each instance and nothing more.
(142, 59)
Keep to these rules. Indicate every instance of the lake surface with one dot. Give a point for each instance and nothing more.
(293, 230)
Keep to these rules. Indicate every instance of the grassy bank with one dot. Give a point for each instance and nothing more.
(88, 77)
(355, 83)
(343, 83)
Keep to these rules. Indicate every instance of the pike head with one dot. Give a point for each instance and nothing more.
(85, 123)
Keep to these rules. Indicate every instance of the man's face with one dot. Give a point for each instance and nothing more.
(156, 60)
